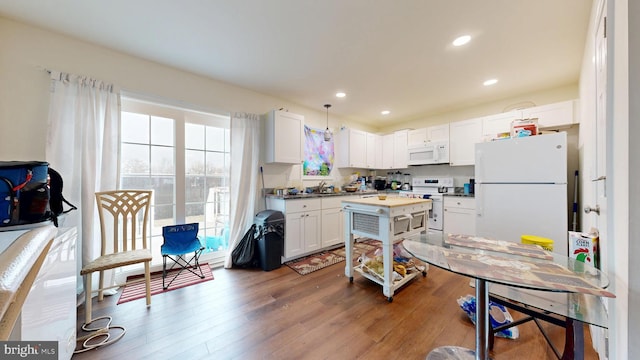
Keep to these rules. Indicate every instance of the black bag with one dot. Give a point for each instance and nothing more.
(30, 193)
(56, 199)
(24, 193)
(244, 254)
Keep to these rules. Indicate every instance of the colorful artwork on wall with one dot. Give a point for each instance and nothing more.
(318, 153)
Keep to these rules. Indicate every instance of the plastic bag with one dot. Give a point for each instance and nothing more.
(244, 254)
(498, 315)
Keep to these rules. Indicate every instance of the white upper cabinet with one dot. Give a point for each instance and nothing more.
(416, 137)
(373, 151)
(400, 154)
(420, 137)
(493, 125)
(352, 145)
(388, 151)
(463, 137)
(553, 115)
(549, 116)
(438, 132)
(283, 134)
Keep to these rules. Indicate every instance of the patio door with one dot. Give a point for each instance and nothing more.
(184, 157)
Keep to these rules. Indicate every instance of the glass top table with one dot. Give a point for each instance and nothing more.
(512, 269)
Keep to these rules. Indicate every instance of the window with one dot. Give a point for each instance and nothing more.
(184, 157)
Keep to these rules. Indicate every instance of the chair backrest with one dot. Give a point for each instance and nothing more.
(124, 216)
(180, 233)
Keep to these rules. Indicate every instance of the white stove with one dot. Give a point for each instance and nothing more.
(435, 187)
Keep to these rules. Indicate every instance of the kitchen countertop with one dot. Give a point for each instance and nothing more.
(321, 195)
(459, 195)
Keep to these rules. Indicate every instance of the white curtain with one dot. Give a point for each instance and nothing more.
(82, 145)
(245, 145)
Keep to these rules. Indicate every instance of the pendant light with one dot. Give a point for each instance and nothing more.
(327, 133)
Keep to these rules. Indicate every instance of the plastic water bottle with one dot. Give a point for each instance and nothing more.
(363, 185)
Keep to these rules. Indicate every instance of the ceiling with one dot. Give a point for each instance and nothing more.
(383, 54)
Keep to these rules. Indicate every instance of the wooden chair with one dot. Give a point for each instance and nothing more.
(124, 216)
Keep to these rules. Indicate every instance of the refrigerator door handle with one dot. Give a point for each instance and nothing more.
(478, 166)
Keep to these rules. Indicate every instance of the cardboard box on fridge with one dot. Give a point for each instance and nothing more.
(584, 247)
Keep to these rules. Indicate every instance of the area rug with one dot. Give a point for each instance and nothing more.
(137, 290)
(321, 260)
(361, 247)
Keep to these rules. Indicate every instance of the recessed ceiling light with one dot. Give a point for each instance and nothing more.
(385, 112)
(461, 40)
(340, 94)
(490, 82)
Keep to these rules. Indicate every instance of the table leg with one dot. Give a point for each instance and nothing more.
(387, 264)
(574, 340)
(482, 320)
(348, 246)
(482, 332)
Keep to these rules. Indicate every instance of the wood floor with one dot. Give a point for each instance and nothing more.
(253, 314)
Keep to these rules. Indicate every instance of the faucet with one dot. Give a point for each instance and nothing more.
(321, 186)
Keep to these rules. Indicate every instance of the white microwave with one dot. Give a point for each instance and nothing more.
(434, 152)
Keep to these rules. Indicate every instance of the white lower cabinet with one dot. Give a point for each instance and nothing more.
(332, 221)
(302, 228)
(459, 215)
(302, 233)
(310, 224)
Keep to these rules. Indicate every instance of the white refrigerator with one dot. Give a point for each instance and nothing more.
(521, 189)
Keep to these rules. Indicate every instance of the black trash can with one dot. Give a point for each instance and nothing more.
(270, 238)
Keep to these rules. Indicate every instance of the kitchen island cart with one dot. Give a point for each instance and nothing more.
(389, 221)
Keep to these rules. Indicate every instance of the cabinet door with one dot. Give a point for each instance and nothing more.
(294, 235)
(417, 137)
(332, 227)
(459, 221)
(378, 152)
(552, 115)
(499, 123)
(463, 138)
(370, 152)
(388, 151)
(311, 231)
(284, 132)
(459, 215)
(438, 132)
(352, 149)
(400, 154)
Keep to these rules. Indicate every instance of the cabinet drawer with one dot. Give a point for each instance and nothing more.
(333, 201)
(459, 202)
(302, 205)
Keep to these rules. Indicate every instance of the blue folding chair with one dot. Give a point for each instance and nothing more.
(180, 241)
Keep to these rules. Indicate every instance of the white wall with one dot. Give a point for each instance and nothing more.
(633, 176)
(26, 51)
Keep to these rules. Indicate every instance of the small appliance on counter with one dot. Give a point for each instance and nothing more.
(406, 185)
(380, 183)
